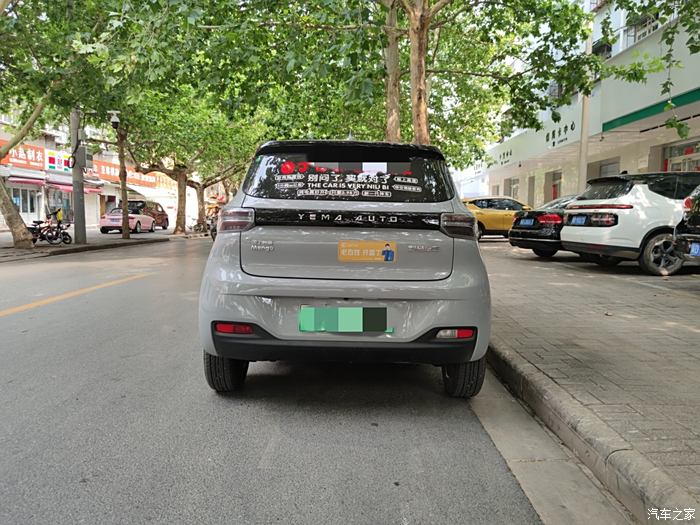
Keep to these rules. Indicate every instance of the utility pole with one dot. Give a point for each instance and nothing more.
(78, 160)
(583, 142)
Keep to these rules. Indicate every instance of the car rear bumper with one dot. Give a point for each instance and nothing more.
(533, 239)
(624, 252)
(682, 245)
(262, 346)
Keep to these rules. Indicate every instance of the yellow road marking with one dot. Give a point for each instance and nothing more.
(68, 295)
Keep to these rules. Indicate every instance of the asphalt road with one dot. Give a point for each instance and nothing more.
(106, 417)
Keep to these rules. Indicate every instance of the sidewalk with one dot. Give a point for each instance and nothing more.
(610, 360)
(96, 241)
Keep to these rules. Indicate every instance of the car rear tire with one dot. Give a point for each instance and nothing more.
(224, 375)
(659, 257)
(588, 257)
(607, 261)
(137, 228)
(481, 231)
(165, 224)
(464, 379)
(104, 230)
(544, 252)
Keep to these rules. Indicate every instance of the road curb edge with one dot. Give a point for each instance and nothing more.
(632, 478)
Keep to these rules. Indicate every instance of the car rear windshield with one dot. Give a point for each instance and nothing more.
(349, 176)
(606, 189)
(559, 203)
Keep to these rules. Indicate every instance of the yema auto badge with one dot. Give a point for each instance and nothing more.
(367, 251)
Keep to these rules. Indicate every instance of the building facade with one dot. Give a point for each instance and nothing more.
(627, 129)
(39, 179)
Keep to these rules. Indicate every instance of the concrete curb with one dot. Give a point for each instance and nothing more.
(38, 253)
(634, 480)
(104, 246)
(190, 235)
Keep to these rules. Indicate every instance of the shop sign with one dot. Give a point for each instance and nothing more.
(109, 172)
(58, 160)
(25, 156)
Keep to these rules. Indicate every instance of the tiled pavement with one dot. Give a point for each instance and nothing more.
(624, 344)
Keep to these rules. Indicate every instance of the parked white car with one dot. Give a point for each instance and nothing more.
(630, 217)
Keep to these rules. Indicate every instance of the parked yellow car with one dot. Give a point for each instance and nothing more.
(494, 214)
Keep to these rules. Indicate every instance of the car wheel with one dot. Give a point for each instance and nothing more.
(104, 230)
(165, 224)
(224, 375)
(153, 226)
(588, 257)
(137, 228)
(481, 231)
(607, 260)
(544, 252)
(464, 379)
(659, 257)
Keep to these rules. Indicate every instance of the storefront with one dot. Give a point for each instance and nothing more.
(683, 156)
(22, 172)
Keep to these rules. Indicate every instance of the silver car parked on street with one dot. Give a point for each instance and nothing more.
(346, 251)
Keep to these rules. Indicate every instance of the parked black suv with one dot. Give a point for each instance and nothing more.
(687, 236)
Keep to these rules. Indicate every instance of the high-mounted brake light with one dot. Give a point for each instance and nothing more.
(549, 218)
(236, 220)
(599, 207)
(458, 225)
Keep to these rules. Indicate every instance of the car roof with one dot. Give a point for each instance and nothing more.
(644, 177)
(326, 146)
(469, 199)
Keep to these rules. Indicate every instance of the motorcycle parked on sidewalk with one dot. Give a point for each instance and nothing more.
(45, 231)
(53, 233)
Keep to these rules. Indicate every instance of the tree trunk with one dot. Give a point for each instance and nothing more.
(21, 237)
(201, 210)
(393, 76)
(121, 144)
(181, 177)
(418, 34)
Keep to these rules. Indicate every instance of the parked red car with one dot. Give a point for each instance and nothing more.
(152, 209)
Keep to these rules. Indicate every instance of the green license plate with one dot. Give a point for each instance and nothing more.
(343, 319)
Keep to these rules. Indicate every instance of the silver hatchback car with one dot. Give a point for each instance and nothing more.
(346, 251)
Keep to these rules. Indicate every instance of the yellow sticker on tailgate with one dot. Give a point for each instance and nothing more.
(367, 251)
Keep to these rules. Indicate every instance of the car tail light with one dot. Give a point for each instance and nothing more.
(458, 225)
(549, 218)
(233, 328)
(236, 220)
(456, 333)
(599, 207)
(687, 204)
(603, 219)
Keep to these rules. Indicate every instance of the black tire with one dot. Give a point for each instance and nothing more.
(224, 375)
(480, 232)
(53, 236)
(607, 261)
(659, 257)
(588, 257)
(464, 379)
(165, 224)
(544, 252)
(153, 227)
(137, 227)
(67, 239)
(104, 230)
